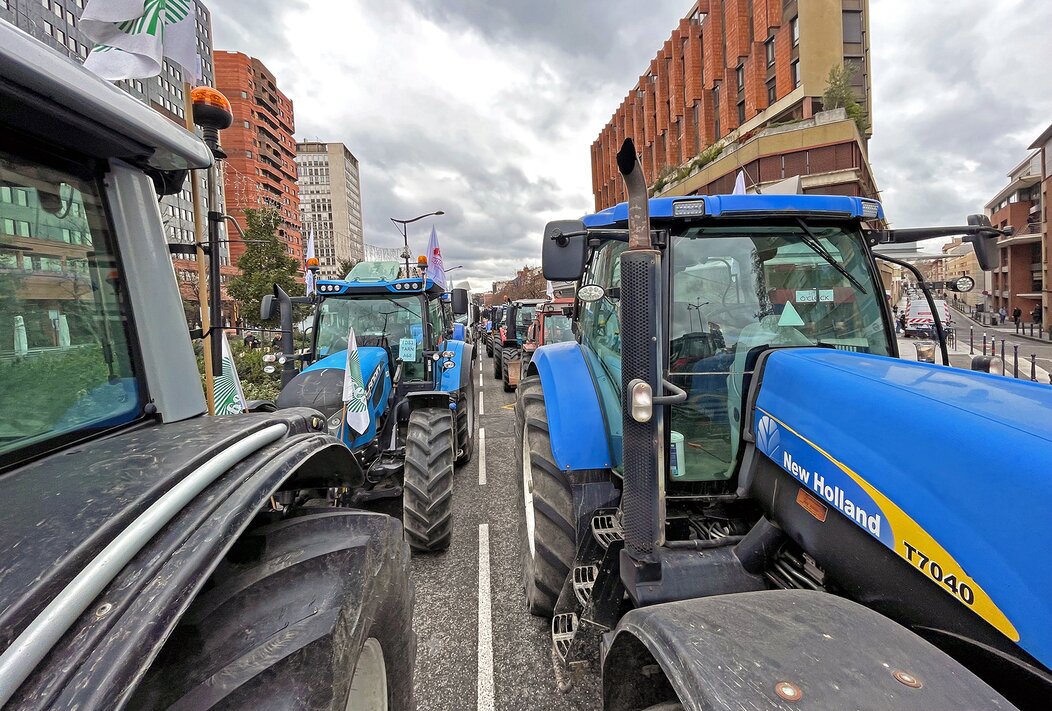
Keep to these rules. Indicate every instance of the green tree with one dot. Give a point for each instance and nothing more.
(344, 266)
(839, 94)
(263, 264)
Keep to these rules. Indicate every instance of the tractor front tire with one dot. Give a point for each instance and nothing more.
(497, 363)
(489, 348)
(427, 495)
(550, 535)
(509, 356)
(466, 421)
(314, 611)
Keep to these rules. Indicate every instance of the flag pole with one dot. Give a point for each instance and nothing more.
(202, 267)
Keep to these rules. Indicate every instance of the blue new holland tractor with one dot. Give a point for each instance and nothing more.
(417, 374)
(723, 504)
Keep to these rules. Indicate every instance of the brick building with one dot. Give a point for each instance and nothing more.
(1020, 279)
(739, 84)
(260, 170)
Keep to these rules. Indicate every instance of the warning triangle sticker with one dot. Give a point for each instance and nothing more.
(789, 316)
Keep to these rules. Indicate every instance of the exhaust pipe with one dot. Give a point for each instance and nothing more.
(643, 498)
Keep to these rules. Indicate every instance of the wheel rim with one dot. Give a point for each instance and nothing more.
(369, 683)
(527, 490)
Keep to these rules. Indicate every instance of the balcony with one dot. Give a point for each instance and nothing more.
(1031, 232)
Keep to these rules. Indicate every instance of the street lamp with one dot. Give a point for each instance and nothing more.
(459, 266)
(406, 254)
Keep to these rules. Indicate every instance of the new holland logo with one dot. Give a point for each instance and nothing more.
(768, 437)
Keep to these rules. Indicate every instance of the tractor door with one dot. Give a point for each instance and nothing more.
(601, 337)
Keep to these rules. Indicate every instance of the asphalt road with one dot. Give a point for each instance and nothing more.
(477, 646)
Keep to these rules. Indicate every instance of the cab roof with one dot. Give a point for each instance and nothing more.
(378, 287)
(48, 95)
(715, 206)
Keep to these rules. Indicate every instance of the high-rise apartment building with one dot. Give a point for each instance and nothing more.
(260, 169)
(739, 85)
(56, 23)
(330, 203)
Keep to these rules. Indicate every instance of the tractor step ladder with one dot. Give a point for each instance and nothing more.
(606, 528)
(583, 579)
(563, 628)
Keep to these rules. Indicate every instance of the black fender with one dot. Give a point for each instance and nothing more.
(467, 359)
(104, 654)
(429, 398)
(758, 650)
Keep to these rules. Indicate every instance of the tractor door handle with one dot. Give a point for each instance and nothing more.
(676, 396)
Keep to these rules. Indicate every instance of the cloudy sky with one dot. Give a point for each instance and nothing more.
(486, 108)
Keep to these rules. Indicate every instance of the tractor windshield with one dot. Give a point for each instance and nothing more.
(557, 328)
(392, 322)
(523, 319)
(735, 289)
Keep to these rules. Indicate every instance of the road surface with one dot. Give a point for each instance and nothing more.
(477, 647)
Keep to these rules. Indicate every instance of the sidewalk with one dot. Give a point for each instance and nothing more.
(1008, 329)
(960, 357)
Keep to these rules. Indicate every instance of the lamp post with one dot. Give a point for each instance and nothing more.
(405, 239)
(459, 266)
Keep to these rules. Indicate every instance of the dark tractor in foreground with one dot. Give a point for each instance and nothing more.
(156, 557)
(722, 508)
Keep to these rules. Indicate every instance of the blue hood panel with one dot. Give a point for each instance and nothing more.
(953, 464)
(368, 356)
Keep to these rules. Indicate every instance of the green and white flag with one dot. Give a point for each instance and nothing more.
(228, 397)
(356, 407)
(133, 36)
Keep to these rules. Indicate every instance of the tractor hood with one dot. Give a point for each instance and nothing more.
(320, 385)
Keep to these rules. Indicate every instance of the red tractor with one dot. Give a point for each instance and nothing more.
(551, 324)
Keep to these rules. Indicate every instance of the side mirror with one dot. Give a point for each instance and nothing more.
(460, 301)
(474, 313)
(563, 251)
(985, 245)
(266, 307)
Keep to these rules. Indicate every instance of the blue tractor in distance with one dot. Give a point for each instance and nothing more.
(418, 382)
(723, 507)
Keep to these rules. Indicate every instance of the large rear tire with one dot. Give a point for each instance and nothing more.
(314, 611)
(497, 363)
(508, 356)
(550, 535)
(466, 421)
(427, 496)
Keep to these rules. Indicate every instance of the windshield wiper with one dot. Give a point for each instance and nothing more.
(811, 240)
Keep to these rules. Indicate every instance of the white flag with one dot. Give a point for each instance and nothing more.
(133, 36)
(356, 407)
(435, 270)
(308, 276)
(227, 396)
(739, 183)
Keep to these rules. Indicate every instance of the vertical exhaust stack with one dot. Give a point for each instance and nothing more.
(643, 500)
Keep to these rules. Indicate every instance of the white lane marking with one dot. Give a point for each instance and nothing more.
(482, 456)
(482, 408)
(481, 384)
(485, 627)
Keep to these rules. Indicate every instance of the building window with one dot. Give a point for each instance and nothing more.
(741, 112)
(741, 77)
(769, 48)
(794, 30)
(772, 92)
(716, 112)
(795, 73)
(697, 126)
(852, 27)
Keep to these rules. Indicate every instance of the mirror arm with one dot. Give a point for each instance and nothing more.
(918, 234)
(928, 297)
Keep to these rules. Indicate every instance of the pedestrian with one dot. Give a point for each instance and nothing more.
(1035, 315)
(1017, 314)
(1002, 313)
(902, 323)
